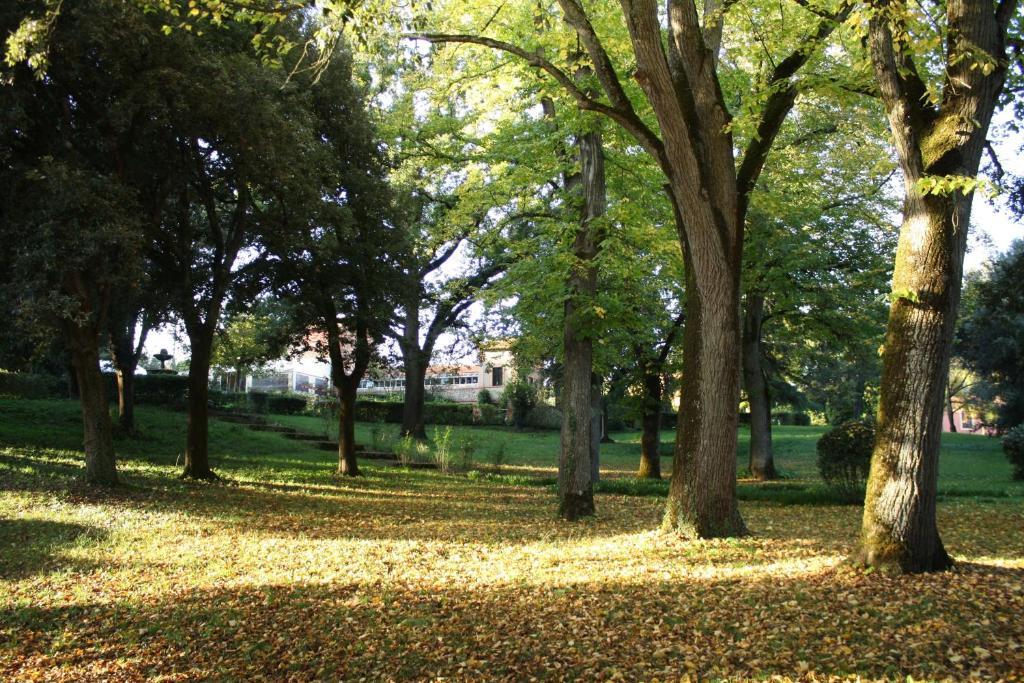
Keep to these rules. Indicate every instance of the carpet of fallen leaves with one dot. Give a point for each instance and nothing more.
(403, 576)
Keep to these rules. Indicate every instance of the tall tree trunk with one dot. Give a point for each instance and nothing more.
(604, 407)
(575, 481)
(702, 496)
(596, 428)
(943, 140)
(125, 353)
(126, 398)
(900, 529)
(347, 464)
(414, 363)
(650, 439)
(575, 475)
(762, 459)
(125, 362)
(951, 413)
(100, 463)
(197, 455)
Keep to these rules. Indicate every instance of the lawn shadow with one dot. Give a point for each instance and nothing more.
(830, 622)
(32, 546)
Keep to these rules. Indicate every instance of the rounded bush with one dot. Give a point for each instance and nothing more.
(844, 455)
(1013, 446)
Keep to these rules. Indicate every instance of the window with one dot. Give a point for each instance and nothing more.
(497, 376)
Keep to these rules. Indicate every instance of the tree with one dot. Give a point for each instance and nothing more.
(708, 190)
(249, 340)
(990, 340)
(338, 262)
(939, 119)
(134, 312)
(70, 218)
(817, 255)
(227, 181)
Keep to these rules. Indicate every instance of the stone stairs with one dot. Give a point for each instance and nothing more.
(259, 423)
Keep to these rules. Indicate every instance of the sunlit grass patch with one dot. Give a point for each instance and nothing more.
(286, 572)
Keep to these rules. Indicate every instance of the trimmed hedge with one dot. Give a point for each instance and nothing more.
(24, 385)
(458, 414)
(287, 404)
(162, 390)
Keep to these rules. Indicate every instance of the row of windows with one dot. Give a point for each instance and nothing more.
(398, 383)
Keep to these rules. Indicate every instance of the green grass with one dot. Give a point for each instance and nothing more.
(971, 466)
(285, 572)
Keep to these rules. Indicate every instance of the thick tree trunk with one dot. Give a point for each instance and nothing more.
(702, 496)
(943, 140)
(575, 463)
(762, 459)
(347, 464)
(650, 439)
(197, 455)
(100, 463)
(575, 480)
(414, 362)
(899, 530)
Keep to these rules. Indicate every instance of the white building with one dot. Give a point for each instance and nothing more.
(306, 373)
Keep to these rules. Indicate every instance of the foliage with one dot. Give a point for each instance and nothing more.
(990, 338)
(484, 398)
(844, 456)
(24, 385)
(250, 340)
(1013, 446)
(521, 396)
(286, 404)
(259, 400)
(544, 416)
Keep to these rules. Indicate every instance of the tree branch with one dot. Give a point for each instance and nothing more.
(627, 119)
(779, 103)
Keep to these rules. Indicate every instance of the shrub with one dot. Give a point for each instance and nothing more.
(409, 450)
(484, 398)
(258, 401)
(618, 418)
(544, 416)
(498, 456)
(844, 457)
(286, 404)
(443, 455)
(24, 385)
(1013, 447)
(490, 415)
(227, 400)
(522, 397)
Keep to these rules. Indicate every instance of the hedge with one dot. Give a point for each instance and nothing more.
(24, 385)
(433, 413)
(544, 416)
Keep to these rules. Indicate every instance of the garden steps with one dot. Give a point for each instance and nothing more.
(259, 423)
(304, 436)
(273, 428)
(240, 418)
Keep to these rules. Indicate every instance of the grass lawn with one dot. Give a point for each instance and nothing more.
(286, 573)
